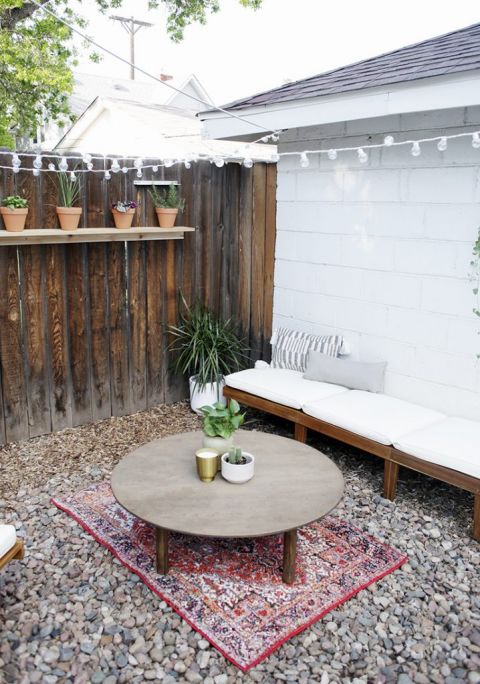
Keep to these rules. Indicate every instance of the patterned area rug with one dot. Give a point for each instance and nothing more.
(231, 590)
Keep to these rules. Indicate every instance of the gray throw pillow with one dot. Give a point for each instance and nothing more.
(358, 375)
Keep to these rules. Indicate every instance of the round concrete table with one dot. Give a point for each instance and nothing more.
(293, 485)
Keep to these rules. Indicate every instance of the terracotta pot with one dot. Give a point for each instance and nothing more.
(14, 219)
(69, 217)
(123, 219)
(166, 217)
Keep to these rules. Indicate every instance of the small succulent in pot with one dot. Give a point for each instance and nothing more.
(123, 211)
(14, 212)
(237, 466)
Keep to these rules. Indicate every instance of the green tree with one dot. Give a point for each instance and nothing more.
(37, 56)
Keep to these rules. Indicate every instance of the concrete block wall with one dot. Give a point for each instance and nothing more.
(381, 251)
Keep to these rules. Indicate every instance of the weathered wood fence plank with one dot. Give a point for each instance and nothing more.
(83, 327)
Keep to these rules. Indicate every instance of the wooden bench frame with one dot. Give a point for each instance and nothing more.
(392, 457)
(17, 552)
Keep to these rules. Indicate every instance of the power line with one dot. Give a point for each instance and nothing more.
(146, 73)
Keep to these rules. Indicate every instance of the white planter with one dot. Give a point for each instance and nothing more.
(206, 396)
(220, 444)
(238, 474)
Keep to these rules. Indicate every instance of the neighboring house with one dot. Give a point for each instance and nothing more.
(118, 116)
(380, 251)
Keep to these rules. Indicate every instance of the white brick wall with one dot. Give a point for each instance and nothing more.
(380, 252)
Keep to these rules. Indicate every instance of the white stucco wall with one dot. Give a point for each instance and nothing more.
(380, 252)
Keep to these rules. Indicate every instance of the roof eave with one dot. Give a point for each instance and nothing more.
(441, 92)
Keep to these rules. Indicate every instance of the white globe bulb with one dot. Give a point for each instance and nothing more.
(36, 172)
(416, 150)
(115, 166)
(51, 167)
(388, 140)
(442, 145)
(304, 161)
(73, 177)
(248, 163)
(107, 175)
(154, 169)
(139, 173)
(187, 164)
(63, 166)
(362, 156)
(476, 140)
(16, 160)
(332, 154)
(219, 162)
(87, 158)
(37, 162)
(89, 166)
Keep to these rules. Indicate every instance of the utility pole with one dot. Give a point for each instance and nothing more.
(132, 26)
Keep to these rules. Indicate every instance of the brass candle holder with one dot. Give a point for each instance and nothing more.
(207, 464)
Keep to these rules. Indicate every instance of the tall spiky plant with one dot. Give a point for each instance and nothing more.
(205, 346)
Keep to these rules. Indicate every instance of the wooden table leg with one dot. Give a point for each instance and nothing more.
(161, 545)
(289, 556)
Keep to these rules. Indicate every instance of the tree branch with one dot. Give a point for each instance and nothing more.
(11, 17)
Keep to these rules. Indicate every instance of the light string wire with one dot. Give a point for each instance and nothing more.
(389, 141)
(210, 106)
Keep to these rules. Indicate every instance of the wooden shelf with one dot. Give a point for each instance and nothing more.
(46, 236)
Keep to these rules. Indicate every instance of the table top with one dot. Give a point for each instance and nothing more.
(293, 485)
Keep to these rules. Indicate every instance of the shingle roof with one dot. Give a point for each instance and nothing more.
(453, 52)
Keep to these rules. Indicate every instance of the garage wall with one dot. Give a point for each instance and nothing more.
(381, 251)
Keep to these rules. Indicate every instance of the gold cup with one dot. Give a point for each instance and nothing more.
(207, 464)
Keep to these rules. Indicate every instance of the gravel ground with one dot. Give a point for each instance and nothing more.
(72, 613)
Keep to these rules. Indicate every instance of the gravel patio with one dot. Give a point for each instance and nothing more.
(70, 612)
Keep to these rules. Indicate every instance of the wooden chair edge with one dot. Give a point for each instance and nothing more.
(17, 552)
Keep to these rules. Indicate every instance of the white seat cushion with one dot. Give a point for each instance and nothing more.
(8, 537)
(453, 443)
(375, 416)
(284, 386)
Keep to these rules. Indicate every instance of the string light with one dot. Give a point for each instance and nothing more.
(139, 173)
(442, 144)
(362, 155)
(124, 169)
(332, 154)
(63, 166)
(89, 166)
(187, 164)
(388, 141)
(51, 167)
(36, 172)
(108, 175)
(87, 158)
(138, 163)
(73, 177)
(168, 163)
(304, 161)
(154, 169)
(248, 163)
(476, 140)
(37, 162)
(416, 150)
(115, 166)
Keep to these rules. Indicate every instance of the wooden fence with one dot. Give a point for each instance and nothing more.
(82, 327)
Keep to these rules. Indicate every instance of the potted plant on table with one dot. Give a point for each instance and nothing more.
(206, 349)
(14, 212)
(219, 425)
(69, 193)
(167, 203)
(237, 466)
(123, 212)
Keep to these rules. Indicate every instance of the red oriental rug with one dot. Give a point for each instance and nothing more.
(231, 590)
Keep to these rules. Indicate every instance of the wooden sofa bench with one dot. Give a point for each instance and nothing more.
(11, 548)
(393, 458)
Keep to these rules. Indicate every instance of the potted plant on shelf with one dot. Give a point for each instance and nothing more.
(219, 424)
(69, 193)
(205, 349)
(167, 203)
(237, 466)
(123, 212)
(14, 211)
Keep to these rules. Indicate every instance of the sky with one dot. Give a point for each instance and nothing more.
(240, 51)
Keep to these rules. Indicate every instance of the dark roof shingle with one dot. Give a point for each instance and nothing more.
(453, 52)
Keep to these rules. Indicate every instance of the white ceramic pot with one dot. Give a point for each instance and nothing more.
(206, 396)
(238, 474)
(220, 444)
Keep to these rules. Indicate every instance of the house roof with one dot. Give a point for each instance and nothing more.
(153, 131)
(447, 54)
(89, 86)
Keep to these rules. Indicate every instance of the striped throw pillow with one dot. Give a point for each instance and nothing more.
(290, 348)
